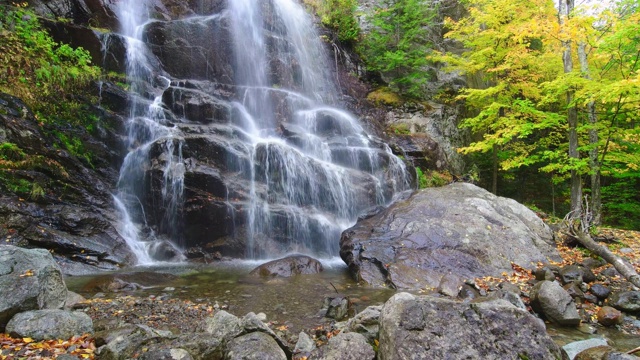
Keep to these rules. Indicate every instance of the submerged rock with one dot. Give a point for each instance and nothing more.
(289, 266)
(459, 229)
(425, 327)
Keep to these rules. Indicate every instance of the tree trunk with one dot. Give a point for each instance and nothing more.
(494, 178)
(623, 268)
(565, 8)
(596, 197)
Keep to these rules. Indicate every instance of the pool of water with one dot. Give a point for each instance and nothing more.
(295, 301)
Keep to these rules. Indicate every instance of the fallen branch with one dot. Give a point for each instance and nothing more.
(633, 351)
(578, 228)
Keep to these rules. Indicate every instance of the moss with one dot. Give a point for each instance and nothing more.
(400, 129)
(431, 178)
(385, 97)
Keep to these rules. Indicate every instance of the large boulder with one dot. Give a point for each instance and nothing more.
(29, 280)
(50, 324)
(425, 327)
(345, 346)
(459, 229)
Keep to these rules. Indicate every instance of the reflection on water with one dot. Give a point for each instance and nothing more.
(296, 301)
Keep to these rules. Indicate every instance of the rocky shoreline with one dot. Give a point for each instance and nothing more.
(489, 318)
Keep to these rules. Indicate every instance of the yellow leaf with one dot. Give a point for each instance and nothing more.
(27, 339)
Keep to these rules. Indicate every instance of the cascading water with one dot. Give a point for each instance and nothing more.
(255, 158)
(146, 126)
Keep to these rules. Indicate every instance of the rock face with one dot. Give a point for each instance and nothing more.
(289, 266)
(50, 324)
(459, 229)
(68, 207)
(423, 327)
(29, 280)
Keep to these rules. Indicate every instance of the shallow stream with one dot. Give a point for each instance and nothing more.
(295, 302)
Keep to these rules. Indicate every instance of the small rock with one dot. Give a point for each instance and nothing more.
(261, 316)
(289, 266)
(169, 289)
(628, 301)
(576, 347)
(551, 300)
(544, 273)
(574, 290)
(255, 345)
(610, 272)
(450, 285)
(608, 316)
(468, 293)
(593, 353)
(345, 346)
(600, 291)
(223, 325)
(337, 307)
(304, 344)
(571, 273)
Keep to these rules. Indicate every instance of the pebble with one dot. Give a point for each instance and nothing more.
(169, 289)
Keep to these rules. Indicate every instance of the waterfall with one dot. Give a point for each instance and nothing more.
(251, 152)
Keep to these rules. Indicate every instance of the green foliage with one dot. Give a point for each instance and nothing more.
(340, 15)
(398, 44)
(384, 96)
(50, 77)
(400, 129)
(431, 178)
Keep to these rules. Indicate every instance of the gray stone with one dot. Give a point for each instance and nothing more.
(30, 280)
(458, 229)
(571, 273)
(289, 266)
(223, 325)
(337, 307)
(366, 323)
(574, 348)
(73, 299)
(49, 324)
(166, 354)
(628, 301)
(123, 343)
(345, 346)
(425, 327)
(600, 291)
(450, 285)
(254, 346)
(304, 343)
(551, 300)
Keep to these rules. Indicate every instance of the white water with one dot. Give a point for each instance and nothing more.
(312, 168)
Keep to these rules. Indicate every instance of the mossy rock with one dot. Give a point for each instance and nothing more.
(385, 97)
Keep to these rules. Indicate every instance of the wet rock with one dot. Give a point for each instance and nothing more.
(425, 327)
(254, 346)
(608, 316)
(345, 346)
(49, 324)
(593, 353)
(627, 301)
(459, 229)
(600, 291)
(366, 323)
(551, 300)
(289, 266)
(29, 280)
(337, 307)
(574, 348)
